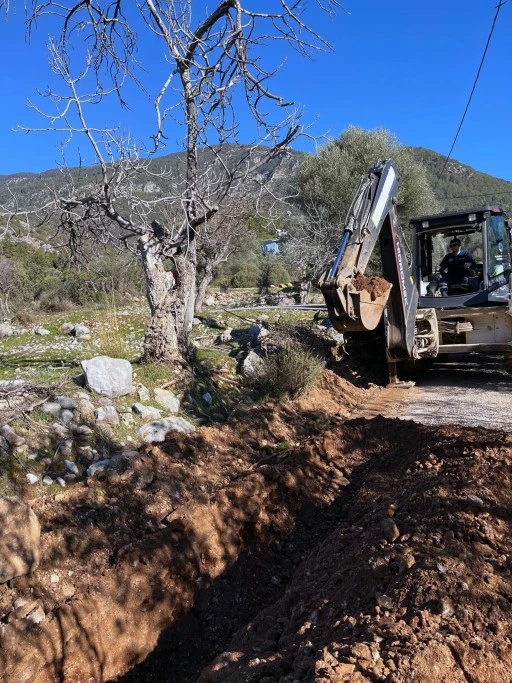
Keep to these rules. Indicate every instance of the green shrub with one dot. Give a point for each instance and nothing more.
(278, 274)
(248, 276)
(273, 272)
(288, 370)
(53, 303)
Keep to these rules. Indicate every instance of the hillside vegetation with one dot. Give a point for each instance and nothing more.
(46, 279)
(461, 186)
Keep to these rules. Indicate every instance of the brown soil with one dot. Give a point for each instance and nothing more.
(375, 286)
(413, 583)
(263, 538)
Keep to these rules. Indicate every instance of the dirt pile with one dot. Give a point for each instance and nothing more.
(374, 285)
(413, 584)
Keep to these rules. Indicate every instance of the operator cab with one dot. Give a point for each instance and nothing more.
(484, 234)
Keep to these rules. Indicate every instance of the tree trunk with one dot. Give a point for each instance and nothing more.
(202, 288)
(170, 295)
(305, 287)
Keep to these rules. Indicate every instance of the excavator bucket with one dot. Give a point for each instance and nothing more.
(357, 310)
(368, 308)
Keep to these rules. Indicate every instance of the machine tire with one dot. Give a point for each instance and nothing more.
(508, 362)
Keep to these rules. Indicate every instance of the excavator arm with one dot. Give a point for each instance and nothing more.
(355, 302)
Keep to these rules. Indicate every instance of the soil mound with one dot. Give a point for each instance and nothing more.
(375, 286)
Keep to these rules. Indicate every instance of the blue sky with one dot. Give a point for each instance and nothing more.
(401, 65)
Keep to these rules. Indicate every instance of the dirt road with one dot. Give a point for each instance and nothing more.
(465, 390)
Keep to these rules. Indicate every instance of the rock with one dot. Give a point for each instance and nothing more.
(47, 481)
(362, 652)
(250, 364)
(143, 393)
(84, 338)
(86, 453)
(86, 409)
(85, 431)
(60, 430)
(67, 590)
(129, 454)
(81, 330)
(32, 478)
(99, 467)
(19, 539)
(10, 435)
(390, 529)
(195, 322)
(257, 331)
(4, 444)
(66, 448)
(209, 301)
(345, 669)
(224, 337)
(474, 501)
(156, 431)
(445, 606)
(66, 403)
(41, 331)
(51, 408)
(36, 616)
(11, 383)
(66, 328)
(31, 610)
(61, 482)
(146, 412)
(384, 602)
(208, 398)
(22, 607)
(67, 416)
(71, 466)
(54, 578)
(167, 399)
(108, 376)
(110, 464)
(6, 330)
(83, 396)
(107, 415)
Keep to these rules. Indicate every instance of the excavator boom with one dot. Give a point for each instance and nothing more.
(356, 302)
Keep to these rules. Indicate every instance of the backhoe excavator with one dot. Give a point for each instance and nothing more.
(473, 316)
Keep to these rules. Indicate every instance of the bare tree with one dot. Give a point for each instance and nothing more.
(309, 249)
(218, 239)
(211, 70)
(7, 282)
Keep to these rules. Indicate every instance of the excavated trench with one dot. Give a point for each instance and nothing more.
(266, 540)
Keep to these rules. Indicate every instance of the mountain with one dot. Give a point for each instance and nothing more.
(164, 177)
(460, 186)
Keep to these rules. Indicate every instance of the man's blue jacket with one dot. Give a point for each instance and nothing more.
(452, 266)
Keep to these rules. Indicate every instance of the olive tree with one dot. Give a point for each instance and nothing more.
(328, 182)
(213, 68)
(7, 283)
